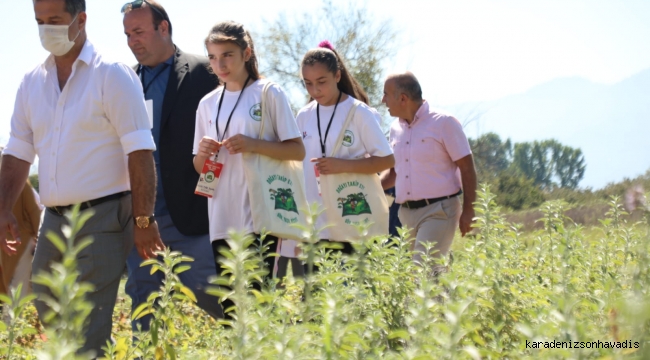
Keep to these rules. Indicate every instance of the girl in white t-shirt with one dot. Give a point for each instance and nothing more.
(365, 149)
(228, 124)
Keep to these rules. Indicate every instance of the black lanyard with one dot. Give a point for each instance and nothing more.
(232, 112)
(146, 88)
(327, 131)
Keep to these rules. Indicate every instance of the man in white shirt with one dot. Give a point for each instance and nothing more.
(83, 116)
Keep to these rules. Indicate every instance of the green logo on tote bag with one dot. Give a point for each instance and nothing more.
(284, 200)
(354, 204)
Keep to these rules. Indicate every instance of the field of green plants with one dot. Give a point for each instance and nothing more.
(560, 292)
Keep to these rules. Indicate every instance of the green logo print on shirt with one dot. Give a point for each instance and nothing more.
(284, 200)
(354, 204)
(348, 138)
(256, 112)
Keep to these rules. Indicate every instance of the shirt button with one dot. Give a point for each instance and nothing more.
(51, 179)
(408, 193)
(56, 128)
(407, 143)
(407, 160)
(407, 176)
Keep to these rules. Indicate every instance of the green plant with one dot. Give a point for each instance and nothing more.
(506, 288)
(16, 306)
(68, 307)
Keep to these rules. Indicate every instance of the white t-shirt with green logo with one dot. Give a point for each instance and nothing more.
(229, 208)
(362, 138)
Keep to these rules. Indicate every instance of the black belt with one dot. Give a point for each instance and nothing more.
(416, 204)
(88, 204)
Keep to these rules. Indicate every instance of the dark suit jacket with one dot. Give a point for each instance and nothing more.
(189, 81)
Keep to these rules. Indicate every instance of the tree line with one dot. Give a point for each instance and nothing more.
(521, 173)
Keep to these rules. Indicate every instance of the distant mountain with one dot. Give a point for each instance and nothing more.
(610, 123)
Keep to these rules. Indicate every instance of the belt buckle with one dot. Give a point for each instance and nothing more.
(426, 201)
(56, 210)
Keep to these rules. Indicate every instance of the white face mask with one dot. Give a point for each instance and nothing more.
(54, 38)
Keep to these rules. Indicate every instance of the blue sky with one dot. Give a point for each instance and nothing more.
(462, 51)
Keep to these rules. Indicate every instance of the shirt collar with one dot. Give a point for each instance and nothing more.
(87, 52)
(86, 55)
(169, 62)
(423, 110)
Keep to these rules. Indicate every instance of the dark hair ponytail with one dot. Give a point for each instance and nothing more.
(326, 55)
(230, 31)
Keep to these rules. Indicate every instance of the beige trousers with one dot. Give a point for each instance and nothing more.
(435, 223)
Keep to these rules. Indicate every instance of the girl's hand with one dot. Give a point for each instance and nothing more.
(208, 147)
(330, 165)
(240, 144)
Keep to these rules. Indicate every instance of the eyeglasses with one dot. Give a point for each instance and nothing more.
(138, 4)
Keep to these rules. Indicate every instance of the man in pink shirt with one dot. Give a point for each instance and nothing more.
(433, 166)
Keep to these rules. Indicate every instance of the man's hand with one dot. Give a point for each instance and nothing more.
(147, 241)
(329, 165)
(142, 172)
(240, 144)
(466, 220)
(9, 225)
(13, 177)
(468, 177)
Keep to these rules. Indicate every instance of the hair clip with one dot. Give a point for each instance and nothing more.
(326, 44)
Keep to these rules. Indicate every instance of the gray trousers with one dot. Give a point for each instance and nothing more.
(434, 223)
(100, 264)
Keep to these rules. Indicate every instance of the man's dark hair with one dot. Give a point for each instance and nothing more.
(159, 15)
(408, 85)
(74, 7)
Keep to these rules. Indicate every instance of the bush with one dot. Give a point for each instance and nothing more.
(517, 192)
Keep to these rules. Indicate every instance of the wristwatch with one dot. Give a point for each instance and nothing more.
(143, 221)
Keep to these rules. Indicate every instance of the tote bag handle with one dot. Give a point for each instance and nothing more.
(348, 120)
(265, 90)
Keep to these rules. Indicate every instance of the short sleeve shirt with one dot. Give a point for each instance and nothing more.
(362, 138)
(229, 208)
(425, 154)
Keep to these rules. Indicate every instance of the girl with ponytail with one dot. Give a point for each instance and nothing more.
(228, 123)
(364, 149)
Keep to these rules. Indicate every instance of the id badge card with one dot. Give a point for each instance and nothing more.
(209, 178)
(317, 173)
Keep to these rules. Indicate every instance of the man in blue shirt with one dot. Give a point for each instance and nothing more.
(173, 82)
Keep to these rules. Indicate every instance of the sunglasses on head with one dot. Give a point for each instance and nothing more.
(138, 4)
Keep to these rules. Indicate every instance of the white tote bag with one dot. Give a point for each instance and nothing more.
(352, 199)
(276, 189)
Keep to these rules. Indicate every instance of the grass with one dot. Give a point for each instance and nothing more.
(506, 289)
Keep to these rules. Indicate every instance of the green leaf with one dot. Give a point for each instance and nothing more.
(56, 241)
(138, 310)
(149, 262)
(170, 351)
(399, 334)
(5, 299)
(181, 269)
(155, 268)
(185, 290)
